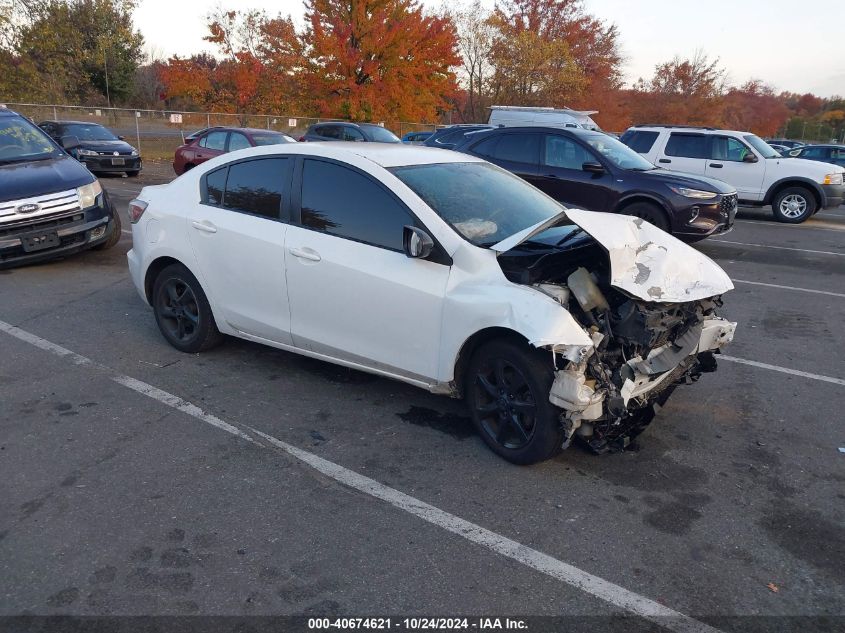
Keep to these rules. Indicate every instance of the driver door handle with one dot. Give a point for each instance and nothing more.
(204, 225)
(716, 165)
(664, 160)
(305, 253)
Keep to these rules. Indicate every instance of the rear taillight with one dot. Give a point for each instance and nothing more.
(136, 210)
(301, 139)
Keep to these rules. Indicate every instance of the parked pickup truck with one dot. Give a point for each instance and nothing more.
(796, 188)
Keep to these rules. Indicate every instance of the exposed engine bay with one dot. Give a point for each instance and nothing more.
(641, 350)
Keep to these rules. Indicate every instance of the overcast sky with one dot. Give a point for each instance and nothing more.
(794, 46)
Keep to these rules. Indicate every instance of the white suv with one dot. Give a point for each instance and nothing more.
(795, 188)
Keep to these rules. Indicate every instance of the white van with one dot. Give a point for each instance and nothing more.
(517, 116)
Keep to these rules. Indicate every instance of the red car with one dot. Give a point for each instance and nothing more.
(206, 144)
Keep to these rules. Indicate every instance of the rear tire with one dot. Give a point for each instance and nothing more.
(793, 205)
(507, 390)
(133, 173)
(650, 213)
(114, 238)
(182, 311)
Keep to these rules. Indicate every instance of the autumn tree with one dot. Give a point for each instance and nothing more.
(755, 107)
(476, 34)
(376, 59)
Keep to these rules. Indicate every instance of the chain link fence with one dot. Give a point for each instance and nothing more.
(157, 133)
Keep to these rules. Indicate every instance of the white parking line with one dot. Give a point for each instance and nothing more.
(818, 292)
(609, 592)
(827, 226)
(783, 370)
(782, 248)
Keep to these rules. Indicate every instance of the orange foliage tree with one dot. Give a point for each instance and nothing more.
(372, 60)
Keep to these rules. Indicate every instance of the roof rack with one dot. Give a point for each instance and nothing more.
(689, 127)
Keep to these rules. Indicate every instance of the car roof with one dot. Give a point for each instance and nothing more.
(551, 129)
(686, 128)
(384, 154)
(62, 122)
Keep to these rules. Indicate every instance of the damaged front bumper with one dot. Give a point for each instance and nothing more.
(607, 404)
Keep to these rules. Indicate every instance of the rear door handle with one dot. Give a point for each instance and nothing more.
(716, 165)
(553, 176)
(204, 225)
(664, 160)
(305, 253)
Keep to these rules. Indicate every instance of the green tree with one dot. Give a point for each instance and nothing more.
(74, 50)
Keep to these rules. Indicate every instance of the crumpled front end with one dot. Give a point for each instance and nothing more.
(641, 352)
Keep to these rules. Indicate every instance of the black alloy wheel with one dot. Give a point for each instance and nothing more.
(182, 311)
(507, 388)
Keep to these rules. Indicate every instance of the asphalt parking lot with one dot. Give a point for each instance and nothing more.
(137, 480)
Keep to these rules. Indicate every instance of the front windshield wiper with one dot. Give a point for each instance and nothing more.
(576, 231)
(10, 161)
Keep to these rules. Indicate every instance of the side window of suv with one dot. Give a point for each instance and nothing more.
(814, 152)
(254, 186)
(641, 141)
(518, 148)
(687, 145)
(565, 153)
(354, 207)
(329, 131)
(727, 148)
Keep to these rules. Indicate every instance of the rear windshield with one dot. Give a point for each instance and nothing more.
(88, 132)
(21, 141)
(270, 138)
(482, 202)
(381, 135)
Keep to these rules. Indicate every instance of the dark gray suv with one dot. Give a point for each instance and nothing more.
(343, 131)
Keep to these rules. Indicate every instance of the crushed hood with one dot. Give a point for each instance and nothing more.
(645, 262)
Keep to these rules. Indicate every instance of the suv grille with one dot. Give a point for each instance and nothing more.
(728, 204)
(46, 206)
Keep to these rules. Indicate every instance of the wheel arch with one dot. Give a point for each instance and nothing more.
(472, 344)
(795, 181)
(155, 267)
(639, 196)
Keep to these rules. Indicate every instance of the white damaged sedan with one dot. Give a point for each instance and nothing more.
(437, 269)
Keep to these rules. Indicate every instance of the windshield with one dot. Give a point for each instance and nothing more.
(381, 135)
(482, 202)
(88, 132)
(269, 138)
(617, 152)
(21, 141)
(765, 150)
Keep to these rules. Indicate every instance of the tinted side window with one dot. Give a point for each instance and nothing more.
(518, 148)
(215, 184)
(687, 145)
(451, 137)
(565, 153)
(353, 206)
(641, 141)
(329, 131)
(238, 141)
(814, 152)
(727, 148)
(214, 140)
(487, 147)
(256, 186)
(351, 134)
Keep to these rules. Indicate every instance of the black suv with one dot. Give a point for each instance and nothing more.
(95, 146)
(594, 171)
(343, 131)
(50, 204)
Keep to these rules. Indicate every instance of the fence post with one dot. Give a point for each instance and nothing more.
(55, 115)
(138, 131)
(268, 122)
(208, 120)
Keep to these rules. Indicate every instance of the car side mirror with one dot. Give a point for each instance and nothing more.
(121, 138)
(69, 142)
(593, 167)
(749, 158)
(416, 242)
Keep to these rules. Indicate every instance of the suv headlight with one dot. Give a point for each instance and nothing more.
(698, 194)
(88, 194)
(134, 152)
(832, 179)
(86, 152)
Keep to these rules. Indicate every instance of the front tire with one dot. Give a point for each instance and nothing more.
(507, 389)
(182, 311)
(793, 205)
(648, 212)
(133, 173)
